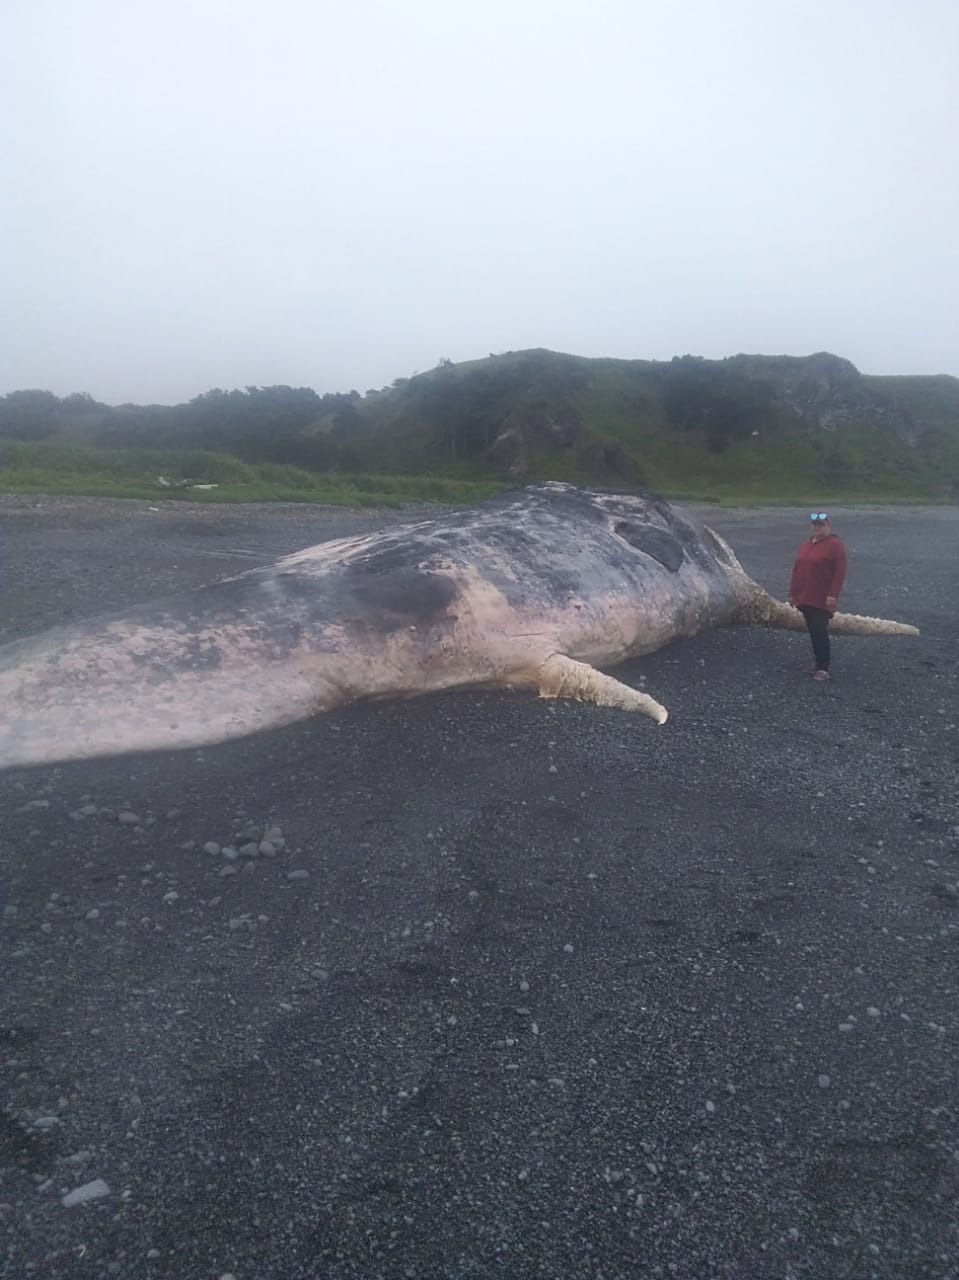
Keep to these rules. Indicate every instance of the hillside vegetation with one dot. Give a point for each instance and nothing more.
(747, 428)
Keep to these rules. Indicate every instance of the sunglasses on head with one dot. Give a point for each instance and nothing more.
(818, 517)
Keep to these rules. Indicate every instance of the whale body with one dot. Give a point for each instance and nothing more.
(543, 588)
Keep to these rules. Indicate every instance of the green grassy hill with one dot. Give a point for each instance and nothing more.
(747, 428)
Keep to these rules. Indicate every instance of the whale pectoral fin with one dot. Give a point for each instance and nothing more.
(767, 612)
(562, 677)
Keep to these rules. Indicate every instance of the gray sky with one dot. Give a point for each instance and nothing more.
(334, 193)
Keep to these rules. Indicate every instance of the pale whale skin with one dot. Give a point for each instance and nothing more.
(535, 589)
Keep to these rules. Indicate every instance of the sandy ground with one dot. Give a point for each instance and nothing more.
(525, 990)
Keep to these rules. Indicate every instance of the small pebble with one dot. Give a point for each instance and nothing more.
(211, 846)
(298, 875)
(128, 819)
(823, 1081)
(94, 1190)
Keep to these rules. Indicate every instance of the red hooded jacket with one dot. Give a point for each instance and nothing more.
(819, 571)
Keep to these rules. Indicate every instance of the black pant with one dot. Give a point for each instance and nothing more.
(817, 620)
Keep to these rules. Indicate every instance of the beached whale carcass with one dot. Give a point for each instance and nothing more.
(536, 589)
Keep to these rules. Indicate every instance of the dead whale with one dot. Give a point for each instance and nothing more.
(536, 589)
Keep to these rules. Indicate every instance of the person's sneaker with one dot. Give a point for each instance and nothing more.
(821, 675)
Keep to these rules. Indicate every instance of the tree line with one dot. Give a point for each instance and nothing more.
(260, 424)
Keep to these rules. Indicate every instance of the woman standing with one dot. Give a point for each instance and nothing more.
(817, 578)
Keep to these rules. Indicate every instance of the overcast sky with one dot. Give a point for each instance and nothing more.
(334, 193)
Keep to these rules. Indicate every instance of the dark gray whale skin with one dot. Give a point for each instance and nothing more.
(540, 589)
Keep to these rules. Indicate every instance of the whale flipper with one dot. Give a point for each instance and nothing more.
(563, 677)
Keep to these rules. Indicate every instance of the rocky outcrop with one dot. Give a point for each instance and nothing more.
(827, 391)
(534, 427)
